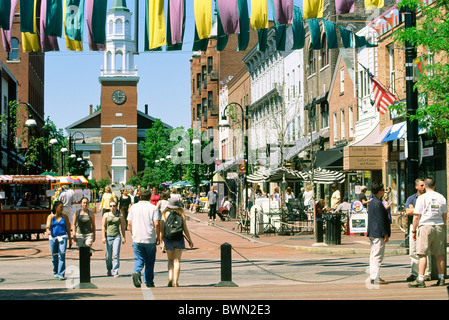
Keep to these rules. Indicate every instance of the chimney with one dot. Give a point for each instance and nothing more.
(91, 109)
(146, 109)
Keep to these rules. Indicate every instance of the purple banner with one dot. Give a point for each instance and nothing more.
(6, 34)
(176, 20)
(344, 6)
(229, 16)
(284, 11)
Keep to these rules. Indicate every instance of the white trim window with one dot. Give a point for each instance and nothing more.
(119, 147)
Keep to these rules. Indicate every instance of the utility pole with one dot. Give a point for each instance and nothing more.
(412, 162)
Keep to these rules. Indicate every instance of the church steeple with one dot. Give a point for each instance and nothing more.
(119, 5)
(120, 47)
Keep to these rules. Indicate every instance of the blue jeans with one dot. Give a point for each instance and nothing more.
(145, 256)
(57, 249)
(112, 253)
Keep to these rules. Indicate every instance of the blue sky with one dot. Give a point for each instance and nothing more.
(71, 78)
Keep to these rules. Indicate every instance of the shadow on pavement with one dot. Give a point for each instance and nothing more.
(46, 294)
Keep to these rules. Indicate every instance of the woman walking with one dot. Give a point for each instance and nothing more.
(83, 228)
(174, 244)
(125, 202)
(113, 230)
(58, 229)
(106, 199)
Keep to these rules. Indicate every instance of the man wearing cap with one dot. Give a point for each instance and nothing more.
(144, 225)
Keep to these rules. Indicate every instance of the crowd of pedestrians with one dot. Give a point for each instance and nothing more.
(151, 217)
(145, 214)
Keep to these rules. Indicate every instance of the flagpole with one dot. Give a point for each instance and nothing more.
(136, 25)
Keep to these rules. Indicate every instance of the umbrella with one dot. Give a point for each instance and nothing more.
(320, 176)
(48, 173)
(324, 176)
(204, 182)
(276, 175)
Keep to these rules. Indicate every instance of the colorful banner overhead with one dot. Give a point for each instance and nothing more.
(155, 35)
(96, 11)
(259, 14)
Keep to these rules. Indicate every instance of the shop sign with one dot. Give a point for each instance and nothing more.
(427, 152)
(362, 158)
(358, 223)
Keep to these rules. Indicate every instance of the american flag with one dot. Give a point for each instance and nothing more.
(382, 96)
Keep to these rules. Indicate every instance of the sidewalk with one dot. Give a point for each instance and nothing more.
(305, 241)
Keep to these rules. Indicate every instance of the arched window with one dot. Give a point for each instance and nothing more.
(110, 27)
(118, 147)
(119, 26)
(14, 54)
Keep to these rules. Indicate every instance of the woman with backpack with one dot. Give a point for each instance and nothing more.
(173, 230)
(83, 228)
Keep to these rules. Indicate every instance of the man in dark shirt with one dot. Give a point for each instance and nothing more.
(379, 231)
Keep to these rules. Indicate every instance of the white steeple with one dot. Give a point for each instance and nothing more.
(120, 47)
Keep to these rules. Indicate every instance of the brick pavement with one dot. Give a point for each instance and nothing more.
(207, 238)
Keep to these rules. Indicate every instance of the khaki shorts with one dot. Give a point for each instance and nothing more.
(430, 238)
(83, 240)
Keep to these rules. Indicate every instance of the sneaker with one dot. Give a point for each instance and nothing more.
(441, 282)
(109, 273)
(136, 280)
(417, 284)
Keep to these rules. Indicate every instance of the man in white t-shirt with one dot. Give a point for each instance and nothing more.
(429, 231)
(144, 225)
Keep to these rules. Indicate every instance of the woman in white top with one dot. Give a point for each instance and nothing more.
(308, 196)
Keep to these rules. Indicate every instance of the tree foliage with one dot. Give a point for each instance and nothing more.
(431, 36)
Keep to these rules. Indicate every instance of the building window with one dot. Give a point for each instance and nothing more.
(335, 126)
(210, 65)
(210, 100)
(351, 122)
(311, 60)
(324, 52)
(342, 124)
(14, 54)
(118, 147)
(324, 115)
(342, 80)
(391, 67)
(119, 27)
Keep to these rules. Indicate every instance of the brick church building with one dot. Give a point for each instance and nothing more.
(108, 139)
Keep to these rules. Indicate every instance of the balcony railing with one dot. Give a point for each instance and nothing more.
(119, 72)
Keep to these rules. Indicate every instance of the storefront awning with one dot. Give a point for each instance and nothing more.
(330, 159)
(27, 179)
(395, 132)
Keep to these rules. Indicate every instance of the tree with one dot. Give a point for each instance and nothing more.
(430, 35)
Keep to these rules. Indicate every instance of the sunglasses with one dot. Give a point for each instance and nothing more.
(113, 205)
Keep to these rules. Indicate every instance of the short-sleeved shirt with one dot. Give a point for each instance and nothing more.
(142, 215)
(431, 206)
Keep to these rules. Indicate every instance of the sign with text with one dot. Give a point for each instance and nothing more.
(362, 158)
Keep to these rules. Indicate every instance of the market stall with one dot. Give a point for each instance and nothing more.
(70, 180)
(24, 204)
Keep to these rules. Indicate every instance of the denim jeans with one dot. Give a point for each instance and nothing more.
(58, 246)
(112, 253)
(145, 256)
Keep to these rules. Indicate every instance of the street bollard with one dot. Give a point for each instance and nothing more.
(319, 231)
(226, 266)
(84, 264)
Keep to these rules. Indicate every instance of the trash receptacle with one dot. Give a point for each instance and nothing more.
(333, 228)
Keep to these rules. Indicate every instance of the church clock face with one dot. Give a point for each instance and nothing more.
(119, 97)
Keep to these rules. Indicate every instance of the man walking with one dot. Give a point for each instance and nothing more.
(212, 198)
(144, 225)
(429, 231)
(66, 197)
(409, 209)
(379, 232)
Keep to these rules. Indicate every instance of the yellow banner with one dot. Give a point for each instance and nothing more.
(156, 24)
(369, 4)
(30, 42)
(203, 18)
(313, 9)
(259, 14)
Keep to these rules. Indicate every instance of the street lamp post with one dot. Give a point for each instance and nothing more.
(224, 123)
(63, 150)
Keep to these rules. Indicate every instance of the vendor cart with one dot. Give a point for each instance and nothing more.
(24, 205)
